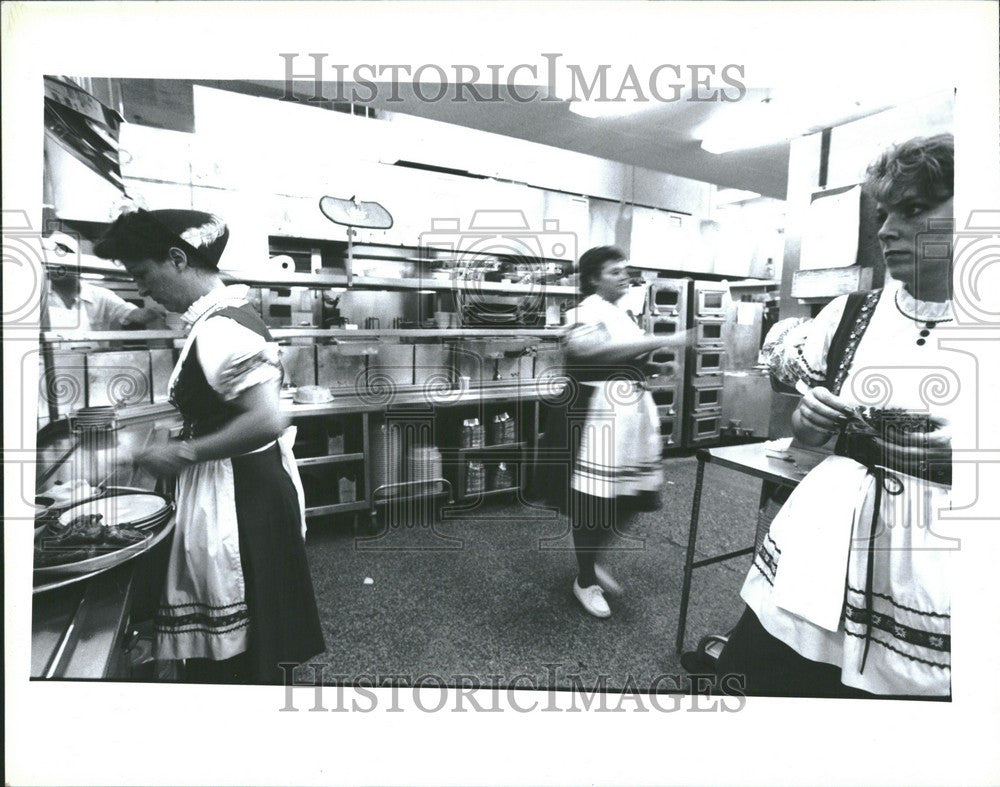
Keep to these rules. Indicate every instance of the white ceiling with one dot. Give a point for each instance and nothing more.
(664, 137)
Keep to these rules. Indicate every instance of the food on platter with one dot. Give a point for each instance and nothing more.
(84, 537)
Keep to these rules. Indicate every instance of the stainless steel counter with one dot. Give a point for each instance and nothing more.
(83, 631)
(79, 631)
(350, 402)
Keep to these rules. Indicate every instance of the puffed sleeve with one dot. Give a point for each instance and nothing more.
(781, 346)
(235, 358)
(807, 347)
(585, 328)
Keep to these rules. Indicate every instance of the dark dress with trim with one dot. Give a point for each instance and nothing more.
(283, 621)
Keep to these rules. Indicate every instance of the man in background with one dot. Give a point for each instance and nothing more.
(69, 303)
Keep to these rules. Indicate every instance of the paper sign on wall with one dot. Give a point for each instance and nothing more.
(746, 313)
(830, 239)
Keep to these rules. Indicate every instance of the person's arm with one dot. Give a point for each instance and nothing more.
(244, 370)
(593, 345)
(260, 422)
(139, 318)
(113, 312)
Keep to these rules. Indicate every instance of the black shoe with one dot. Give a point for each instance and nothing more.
(704, 660)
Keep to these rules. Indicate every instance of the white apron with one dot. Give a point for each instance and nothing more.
(203, 609)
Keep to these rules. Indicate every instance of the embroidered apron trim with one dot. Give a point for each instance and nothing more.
(766, 561)
(200, 622)
(838, 375)
(763, 570)
(817, 377)
(171, 619)
(203, 606)
(603, 471)
(888, 624)
(897, 651)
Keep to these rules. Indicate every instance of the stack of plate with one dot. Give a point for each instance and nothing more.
(136, 510)
(424, 466)
(92, 418)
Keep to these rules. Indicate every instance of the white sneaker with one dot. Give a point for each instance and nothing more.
(592, 599)
(606, 581)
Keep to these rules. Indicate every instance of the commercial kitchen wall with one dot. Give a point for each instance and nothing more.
(264, 163)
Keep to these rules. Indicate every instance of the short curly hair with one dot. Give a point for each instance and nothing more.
(924, 163)
(592, 263)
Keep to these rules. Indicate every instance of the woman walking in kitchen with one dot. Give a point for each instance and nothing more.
(238, 599)
(614, 443)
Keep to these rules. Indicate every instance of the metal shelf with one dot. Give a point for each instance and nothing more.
(554, 332)
(419, 493)
(336, 508)
(491, 492)
(450, 285)
(332, 459)
(56, 337)
(518, 446)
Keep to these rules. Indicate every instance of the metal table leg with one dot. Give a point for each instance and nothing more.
(689, 557)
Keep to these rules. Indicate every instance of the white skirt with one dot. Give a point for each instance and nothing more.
(620, 442)
(910, 611)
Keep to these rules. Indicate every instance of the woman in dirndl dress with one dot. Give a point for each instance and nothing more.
(849, 594)
(238, 601)
(615, 443)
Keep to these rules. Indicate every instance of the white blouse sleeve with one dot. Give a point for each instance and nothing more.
(235, 358)
(585, 328)
(810, 346)
(780, 348)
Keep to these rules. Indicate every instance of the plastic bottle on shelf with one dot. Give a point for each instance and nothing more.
(475, 478)
(347, 486)
(472, 433)
(504, 429)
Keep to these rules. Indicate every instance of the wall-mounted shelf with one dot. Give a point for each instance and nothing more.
(505, 448)
(747, 284)
(258, 277)
(813, 286)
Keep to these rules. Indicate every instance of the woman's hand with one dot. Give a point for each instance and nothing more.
(819, 416)
(918, 448)
(166, 461)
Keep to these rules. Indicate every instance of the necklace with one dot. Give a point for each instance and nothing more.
(928, 324)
